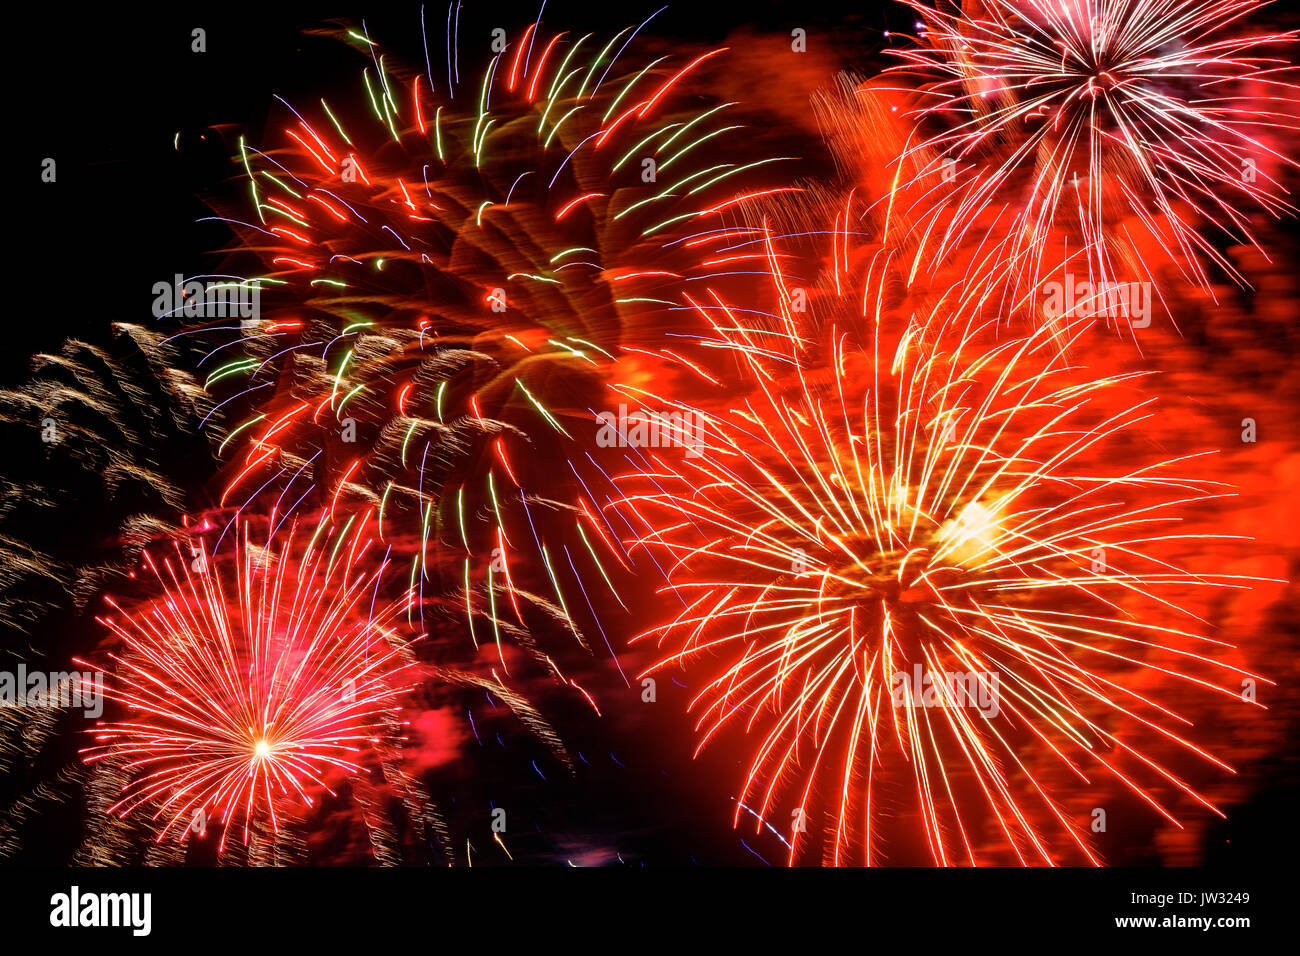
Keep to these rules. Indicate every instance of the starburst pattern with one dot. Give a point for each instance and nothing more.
(935, 556)
(249, 685)
(1096, 137)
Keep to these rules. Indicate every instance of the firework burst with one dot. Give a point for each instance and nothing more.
(910, 567)
(453, 279)
(240, 700)
(1099, 138)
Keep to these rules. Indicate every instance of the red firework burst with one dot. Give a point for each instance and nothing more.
(1096, 137)
(239, 699)
(927, 502)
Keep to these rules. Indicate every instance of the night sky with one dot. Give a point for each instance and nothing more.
(143, 131)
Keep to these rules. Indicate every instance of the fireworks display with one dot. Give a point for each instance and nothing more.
(89, 424)
(654, 437)
(455, 271)
(245, 688)
(1099, 138)
(926, 505)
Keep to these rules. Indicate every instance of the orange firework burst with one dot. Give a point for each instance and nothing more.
(917, 567)
(239, 699)
(1096, 137)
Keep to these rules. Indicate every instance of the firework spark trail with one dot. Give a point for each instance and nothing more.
(237, 700)
(930, 501)
(89, 432)
(455, 279)
(1098, 137)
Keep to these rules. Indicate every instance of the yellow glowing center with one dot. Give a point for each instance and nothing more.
(973, 532)
(262, 749)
